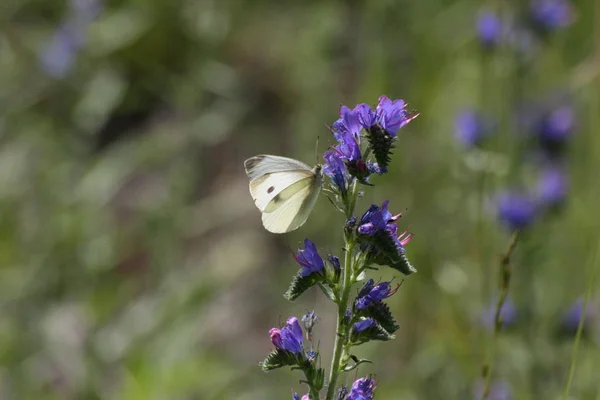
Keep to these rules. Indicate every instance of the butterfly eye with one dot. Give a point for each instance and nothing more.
(269, 190)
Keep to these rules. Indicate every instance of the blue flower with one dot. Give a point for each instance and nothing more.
(289, 337)
(552, 186)
(379, 220)
(508, 314)
(551, 15)
(336, 169)
(58, 57)
(371, 293)
(364, 324)
(489, 28)
(499, 390)
(309, 259)
(296, 396)
(335, 262)
(556, 126)
(392, 115)
(516, 210)
(348, 147)
(348, 123)
(362, 389)
(471, 128)
(571, 317)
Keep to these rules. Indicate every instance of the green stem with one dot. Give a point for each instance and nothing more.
(341, 334)
(588, 294)
(314, 394)
(505, 275)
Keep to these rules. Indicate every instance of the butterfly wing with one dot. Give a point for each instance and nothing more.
(284, 190)
(265, 164)
(290, 209)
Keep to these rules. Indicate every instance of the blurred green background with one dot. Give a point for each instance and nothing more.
(133, 264)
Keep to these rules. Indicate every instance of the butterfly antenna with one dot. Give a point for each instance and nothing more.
(317, 150)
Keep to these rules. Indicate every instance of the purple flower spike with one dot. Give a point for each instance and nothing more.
(552, 186)
(309, 259)
(362, 389)
(364, 324)
(516, 210)
(288, 338)
(489, 28)
(551, 15)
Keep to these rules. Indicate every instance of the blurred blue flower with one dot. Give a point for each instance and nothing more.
(471, 128)
(551, 15)
(499, 390)
(489, 28)
(552, 186)
(364, 324)
(342, 393)
(58, 56)
(296, 396)
(335, 262)
(571, 317)
(516, 210)
(508, 313)
(371, 293)
(289, 337)
(556, 126)
(362, 389)
(309, 259)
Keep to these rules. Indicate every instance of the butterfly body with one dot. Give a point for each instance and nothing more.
(284, 190)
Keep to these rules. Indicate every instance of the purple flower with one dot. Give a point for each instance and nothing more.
(58, 56)
(348, 123)
(336, 169)
(289, 337)
(489, 28)
(378, 220)
(552, 186)
(348, 147)
(471, 128)
(335, 262)
(370, 293)
(557, 125)
(499, 390)
(362, 389)
(309, 259)
(364, 324)
(552, 14)
(296, 396)
(516, 210)
(508, 314)
(571, 317)
(392, 115)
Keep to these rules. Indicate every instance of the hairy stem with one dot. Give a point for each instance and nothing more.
(505, 275)
(341, 334)
(588, 294)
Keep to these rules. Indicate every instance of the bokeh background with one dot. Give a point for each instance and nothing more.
(133, 264)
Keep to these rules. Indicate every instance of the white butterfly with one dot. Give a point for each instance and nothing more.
(284, 190)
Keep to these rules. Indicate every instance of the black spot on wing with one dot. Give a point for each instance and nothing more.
(270, 190)
(252, 162)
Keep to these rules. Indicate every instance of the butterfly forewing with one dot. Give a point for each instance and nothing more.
(265, 164)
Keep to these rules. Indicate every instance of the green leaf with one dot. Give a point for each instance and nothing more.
(277, 359)
(403, 265)
(376, 332)
(380, 312)
(328, 292)
(301, 284)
